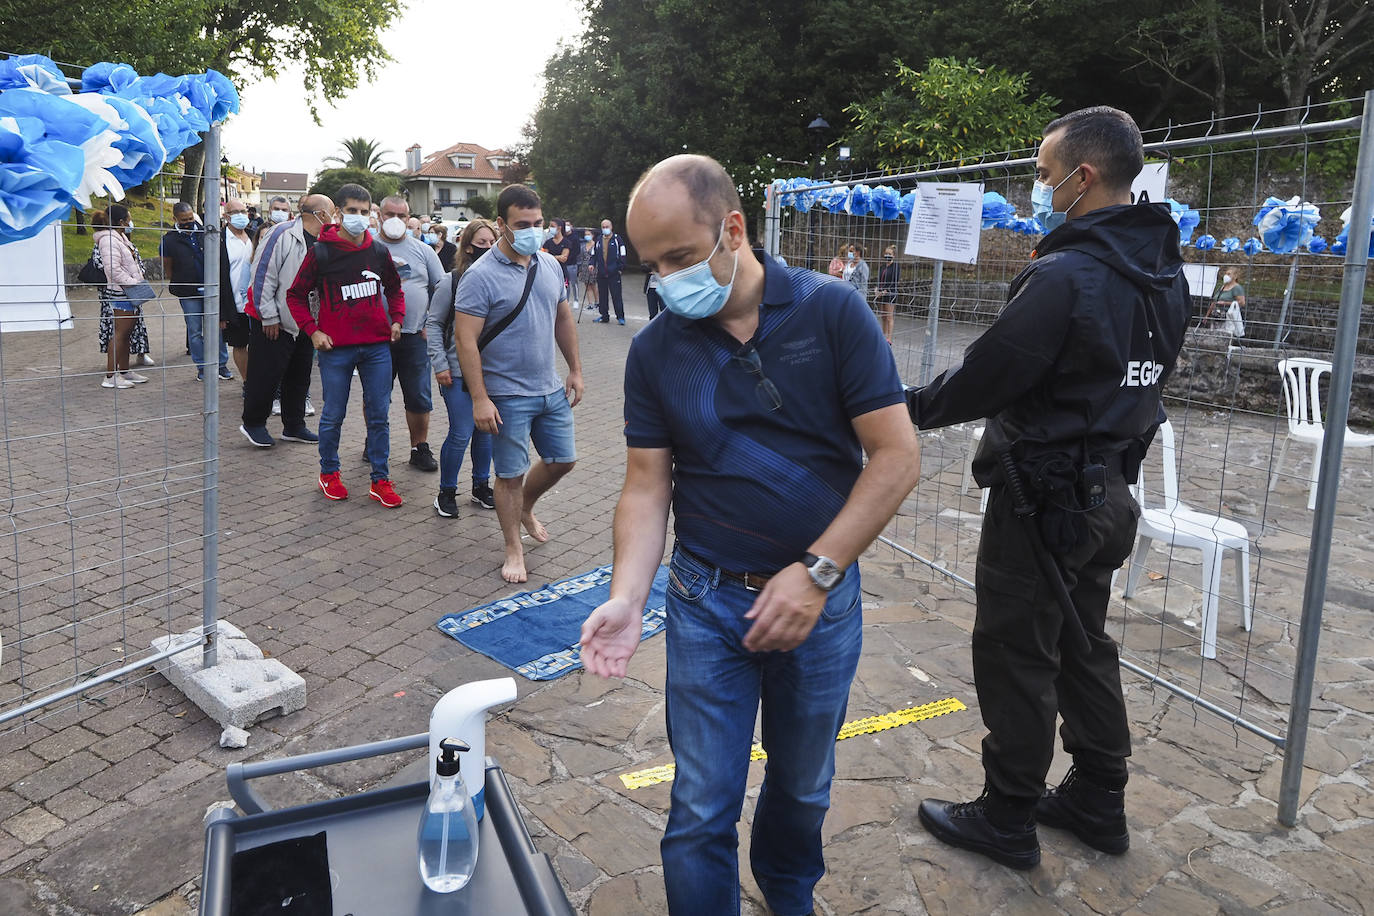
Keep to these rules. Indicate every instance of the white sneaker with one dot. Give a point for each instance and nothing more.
(147, 360)
(135, 377)
(309, 407)
(276, 407)
(116, 381)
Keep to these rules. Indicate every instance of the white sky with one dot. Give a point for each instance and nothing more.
(406, 103)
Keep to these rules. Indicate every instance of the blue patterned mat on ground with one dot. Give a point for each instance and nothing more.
(536, 633)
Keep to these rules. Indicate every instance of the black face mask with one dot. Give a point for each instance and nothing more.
(478, 252)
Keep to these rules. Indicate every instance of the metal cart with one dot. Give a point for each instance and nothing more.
(371, 845)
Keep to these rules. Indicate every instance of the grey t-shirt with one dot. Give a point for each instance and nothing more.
(420, 272)
(520, 361)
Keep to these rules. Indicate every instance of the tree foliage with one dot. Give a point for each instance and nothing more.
(951, 111)
(247, 40)
(481, 205)
(362, 153)
(378, 184)
(1272, 52)
(335, 43)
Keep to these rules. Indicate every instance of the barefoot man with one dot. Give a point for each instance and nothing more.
(509, 313)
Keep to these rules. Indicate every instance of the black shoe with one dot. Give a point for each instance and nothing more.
(258, 435)
(483, 496)
(421, 457)
(301, 434)
(1095, 815)
(968, 826)
(446, 503)
(601, 321)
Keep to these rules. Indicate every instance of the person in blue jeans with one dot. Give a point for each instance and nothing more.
(477, 237)
(749, 405)
(183, 265)
(361, 312)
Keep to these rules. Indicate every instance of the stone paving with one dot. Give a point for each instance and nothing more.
(101, 805)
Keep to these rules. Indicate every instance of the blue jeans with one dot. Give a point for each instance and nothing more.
(713, 689)
(546, 420)
(460, 431)
(193, 308)
(373, 362)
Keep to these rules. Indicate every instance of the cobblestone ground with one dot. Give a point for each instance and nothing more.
(101, 805)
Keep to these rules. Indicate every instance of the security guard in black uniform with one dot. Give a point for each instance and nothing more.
(1069, 377)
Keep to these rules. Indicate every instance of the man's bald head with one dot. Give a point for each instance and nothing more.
(707, 185)
(312, 202)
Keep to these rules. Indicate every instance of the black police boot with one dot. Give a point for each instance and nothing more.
(1095, 815)
(1001, 831)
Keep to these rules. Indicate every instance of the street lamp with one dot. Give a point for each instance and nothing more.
(817, 129)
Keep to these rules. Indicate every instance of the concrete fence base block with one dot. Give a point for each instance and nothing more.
(242, 688)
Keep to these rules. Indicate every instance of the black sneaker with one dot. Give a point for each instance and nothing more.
(421, 457)
(258, 435)
(483, 496)
(446, 503)
(969, 825)
(301, 434)
(1095, 815)
(225, 374)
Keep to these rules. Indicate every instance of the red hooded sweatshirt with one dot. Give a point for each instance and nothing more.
(351, 283)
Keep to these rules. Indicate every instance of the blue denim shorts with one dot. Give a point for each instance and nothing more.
(410, 363)
(545, 420)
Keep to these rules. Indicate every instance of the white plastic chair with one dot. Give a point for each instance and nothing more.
(1306, 421)
(1181, 526)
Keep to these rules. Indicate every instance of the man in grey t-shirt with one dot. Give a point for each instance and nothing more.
(420, 272)
(516, 393)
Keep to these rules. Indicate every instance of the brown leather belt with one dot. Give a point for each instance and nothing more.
(752, 581)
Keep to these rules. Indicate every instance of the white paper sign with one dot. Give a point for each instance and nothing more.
(33, 296)
(1154, 180)
(946, 222)
(1202, 278)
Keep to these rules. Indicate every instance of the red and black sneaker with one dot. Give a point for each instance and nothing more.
(332, 486)
(383, 492)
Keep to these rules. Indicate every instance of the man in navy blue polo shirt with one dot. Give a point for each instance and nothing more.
(748, 408)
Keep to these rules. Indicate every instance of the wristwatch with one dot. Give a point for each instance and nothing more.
(824, 571)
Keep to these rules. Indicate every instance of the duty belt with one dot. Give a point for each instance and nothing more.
(752, 581)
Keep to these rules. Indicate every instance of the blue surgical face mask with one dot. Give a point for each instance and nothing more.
(431, 238)
(239, 220)
(354, 223)
(1042, 203)
(605, 230)
(526, 241)
(693, 291)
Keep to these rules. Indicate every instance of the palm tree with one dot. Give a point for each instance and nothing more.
(364, 154)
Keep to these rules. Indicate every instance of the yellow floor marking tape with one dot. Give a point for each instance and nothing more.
(655, 775)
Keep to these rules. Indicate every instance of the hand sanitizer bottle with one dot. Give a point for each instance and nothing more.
(448, 826)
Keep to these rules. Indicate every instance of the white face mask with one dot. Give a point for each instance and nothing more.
(394, 227)
(1225, 278)
(278, 216)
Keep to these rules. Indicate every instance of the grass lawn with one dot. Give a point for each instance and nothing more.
(151, 217)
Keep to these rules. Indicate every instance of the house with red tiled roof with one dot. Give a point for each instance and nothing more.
(442, 182)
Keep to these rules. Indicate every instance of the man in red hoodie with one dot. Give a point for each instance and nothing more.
(350, 274)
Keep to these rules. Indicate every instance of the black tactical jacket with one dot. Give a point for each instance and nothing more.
(1077, 359)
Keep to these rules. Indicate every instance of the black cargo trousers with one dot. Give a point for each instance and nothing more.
(1024, 677)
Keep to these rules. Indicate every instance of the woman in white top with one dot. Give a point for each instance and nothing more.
(856, 270)
(122, 270)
